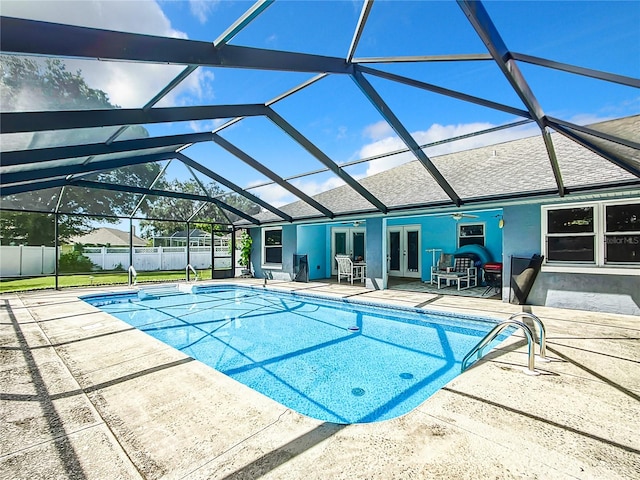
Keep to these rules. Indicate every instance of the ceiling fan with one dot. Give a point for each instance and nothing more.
(457, 216)
(355, 223)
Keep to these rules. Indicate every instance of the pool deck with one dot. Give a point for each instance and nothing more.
(85, 396)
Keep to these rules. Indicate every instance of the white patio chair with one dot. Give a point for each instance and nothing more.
(443, 265)
(345, 267)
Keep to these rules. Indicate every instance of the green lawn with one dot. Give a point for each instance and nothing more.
(98, 278)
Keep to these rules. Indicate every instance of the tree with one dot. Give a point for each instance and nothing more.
(181, 209)
(36, 84)
(37, 228)
(28, 83)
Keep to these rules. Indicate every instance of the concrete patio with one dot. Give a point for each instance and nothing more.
(86, 396)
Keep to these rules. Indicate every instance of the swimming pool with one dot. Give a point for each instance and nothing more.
(335, 360)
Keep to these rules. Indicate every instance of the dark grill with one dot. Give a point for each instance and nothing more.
(493, 276)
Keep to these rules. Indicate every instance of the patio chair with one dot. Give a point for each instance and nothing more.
(466, 271)
(444, 263)
(345, 267)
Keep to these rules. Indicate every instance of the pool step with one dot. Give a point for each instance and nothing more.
(167, 290)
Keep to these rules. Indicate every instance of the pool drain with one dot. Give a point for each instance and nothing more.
(354, 328)
(358, 392)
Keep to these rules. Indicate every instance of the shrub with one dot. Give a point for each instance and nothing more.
(74, 261)
(245, 249)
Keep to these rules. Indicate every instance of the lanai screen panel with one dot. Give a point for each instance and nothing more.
(306, 89)
(44, 200)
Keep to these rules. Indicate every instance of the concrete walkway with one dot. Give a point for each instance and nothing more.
(85, 396)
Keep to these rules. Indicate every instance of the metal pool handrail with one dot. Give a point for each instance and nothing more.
(493, 334)
(186, 272)
(543, 331)
(133, 275)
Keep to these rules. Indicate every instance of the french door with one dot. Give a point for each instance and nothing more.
(403, 251)
(347, 241)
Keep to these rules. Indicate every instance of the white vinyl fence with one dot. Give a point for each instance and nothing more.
(157, 258)
(24, 261)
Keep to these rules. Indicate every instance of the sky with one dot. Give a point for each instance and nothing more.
(332, 112)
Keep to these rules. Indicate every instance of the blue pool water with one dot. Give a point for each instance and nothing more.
(334, 360)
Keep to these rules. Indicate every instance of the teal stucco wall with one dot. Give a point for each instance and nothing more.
(312, 242)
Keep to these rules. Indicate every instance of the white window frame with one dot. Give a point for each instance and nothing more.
(599, 225)
(264, 248)
(593, 234)
(467, 224)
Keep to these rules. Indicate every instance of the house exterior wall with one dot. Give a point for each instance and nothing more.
(440, 232)
(312, 241)
(289, 248)
(593, 292)
(376, 238)
(328, 259)
(520, 237)
(598, 293)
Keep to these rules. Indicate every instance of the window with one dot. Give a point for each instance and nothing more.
(471, 234)
(622, 233)
(272, 250)
(571, 235)
(596, 234)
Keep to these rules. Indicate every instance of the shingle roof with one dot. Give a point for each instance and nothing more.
(108, 236)
(514, 167)
(193, 233)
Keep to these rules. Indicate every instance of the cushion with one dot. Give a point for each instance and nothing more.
(462, 264)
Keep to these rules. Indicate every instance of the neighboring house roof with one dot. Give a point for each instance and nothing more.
(193, 233)
(514, 168)
(108, 236)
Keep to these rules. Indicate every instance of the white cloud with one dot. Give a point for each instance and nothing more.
(435, 133)
(142, 16)
(273, 194)
(129, 85)
(379, 147)
(201, 9)
(312, 187)
(196, 87)
(378, 130)
(278, 196)
(206, 125)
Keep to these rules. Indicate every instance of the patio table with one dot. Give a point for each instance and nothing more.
(359, 271)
